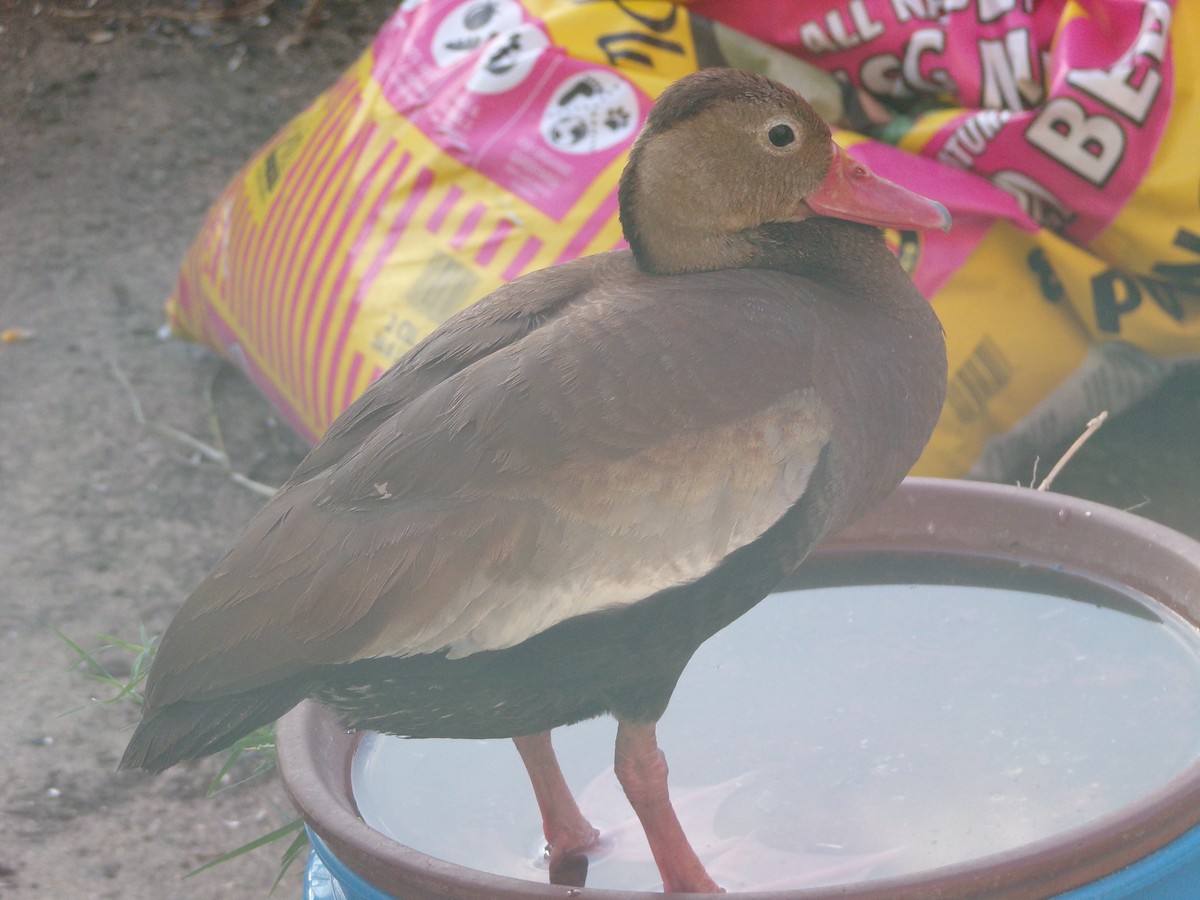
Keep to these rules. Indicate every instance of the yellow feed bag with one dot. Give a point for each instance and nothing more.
(476, 141)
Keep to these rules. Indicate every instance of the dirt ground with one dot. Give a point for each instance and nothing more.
(114, 138)
(115, 135)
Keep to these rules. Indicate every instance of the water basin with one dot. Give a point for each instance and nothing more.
(977, 691)
(843, 733)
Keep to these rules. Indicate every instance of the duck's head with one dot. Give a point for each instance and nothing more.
(726, 152)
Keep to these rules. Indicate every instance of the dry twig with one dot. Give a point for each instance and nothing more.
(216, 454)
(1091, 429)
(248, 8)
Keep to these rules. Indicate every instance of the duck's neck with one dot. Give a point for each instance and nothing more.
(697, 250)
(843, 255)
(846, 256)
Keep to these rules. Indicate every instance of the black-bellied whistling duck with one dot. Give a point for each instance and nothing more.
(539, 513)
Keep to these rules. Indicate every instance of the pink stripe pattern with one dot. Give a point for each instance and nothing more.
(420, 189)
(468, 226)
(355, 253)
(524, 256)
(453, 195)
(493, 242)
(604, 214)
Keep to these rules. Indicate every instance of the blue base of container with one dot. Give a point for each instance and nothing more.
(1172, 873)
(328, 878)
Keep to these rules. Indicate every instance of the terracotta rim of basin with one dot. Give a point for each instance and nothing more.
(924, 515)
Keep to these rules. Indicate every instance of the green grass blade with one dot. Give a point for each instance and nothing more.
(261, 841)
(261, 740)
(88, 658)
(299, 844)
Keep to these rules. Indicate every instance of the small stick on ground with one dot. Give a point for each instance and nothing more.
(214, 423)
(216, 454)
(1091, 429)
(1037, 461)
(243, 10)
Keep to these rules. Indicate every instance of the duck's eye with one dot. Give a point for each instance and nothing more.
(781, 135)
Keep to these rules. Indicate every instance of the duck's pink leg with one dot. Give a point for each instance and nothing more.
(642, 770)
(567, 832)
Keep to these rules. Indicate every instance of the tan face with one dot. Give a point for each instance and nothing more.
(737, 164)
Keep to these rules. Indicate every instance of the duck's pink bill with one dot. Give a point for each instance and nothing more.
(851, 191)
